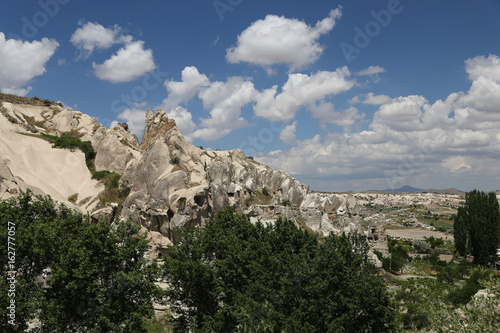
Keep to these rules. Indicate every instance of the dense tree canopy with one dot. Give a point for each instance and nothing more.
(233, 276)
(72, 275)
(477, 227)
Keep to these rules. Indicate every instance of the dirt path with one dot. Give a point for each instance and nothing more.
(417, 233)
(406, 277)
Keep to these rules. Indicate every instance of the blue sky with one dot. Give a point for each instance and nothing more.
(343, 95)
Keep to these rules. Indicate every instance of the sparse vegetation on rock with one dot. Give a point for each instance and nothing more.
(73, 198)
(71, 142)
(35, 101)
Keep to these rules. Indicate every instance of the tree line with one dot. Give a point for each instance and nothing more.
(229, 276)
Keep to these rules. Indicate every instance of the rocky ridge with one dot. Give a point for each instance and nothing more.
(173, 184)
(179, 185)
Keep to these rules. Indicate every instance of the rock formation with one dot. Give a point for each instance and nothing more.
(173, 184)
(376, 234)
(176, 184)
(29, 162)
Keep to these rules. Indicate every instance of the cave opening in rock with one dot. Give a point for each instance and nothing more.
(199, 200)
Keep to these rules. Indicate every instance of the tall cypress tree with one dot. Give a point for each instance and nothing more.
(461, 233)
(477, 227)
(492, 234)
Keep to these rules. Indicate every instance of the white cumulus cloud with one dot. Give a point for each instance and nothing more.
(287, 135)
(225, 101)
(135, 118)
(21, 61)
(301, 90)
(326, 113)
(92, 36)
(402, 113)
(222, 100)
(482, 101)
(182, 91)
(129, 63)
(370, 98)
(280, 40)
(372, 70)
(184, 120)
(481, 66)
(410, 140)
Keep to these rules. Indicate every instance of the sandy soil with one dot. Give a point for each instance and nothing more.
(417, 233)
(444, 257)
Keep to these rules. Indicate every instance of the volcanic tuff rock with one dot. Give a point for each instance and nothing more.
(173, 183)
(117, 150)
(176, 184)
(29, 162)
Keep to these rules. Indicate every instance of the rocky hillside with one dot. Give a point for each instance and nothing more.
(163, 182)
(28, 161)
(176, 184)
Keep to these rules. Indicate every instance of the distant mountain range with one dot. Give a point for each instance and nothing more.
(410, 189)
(403, 189)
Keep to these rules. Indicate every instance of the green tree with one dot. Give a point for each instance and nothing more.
(460, 232)
(477, 226)
(398, 256)
(98, 279)
(233, 276)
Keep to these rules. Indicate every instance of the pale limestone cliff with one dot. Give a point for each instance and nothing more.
(29, 162)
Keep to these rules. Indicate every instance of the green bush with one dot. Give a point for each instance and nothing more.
(109, 178)
(434, 242)
(73, 198)
(421, 246)
(442, 250)
(265, 192)
(67, 142)
(99, 175)
(449, 273)
(433, 258)
(87, 149)
(124, 190)
(71, 142)
(114, 180)
(471, 287)
(415, 317)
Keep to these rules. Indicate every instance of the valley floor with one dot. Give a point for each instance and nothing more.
(418, 233)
